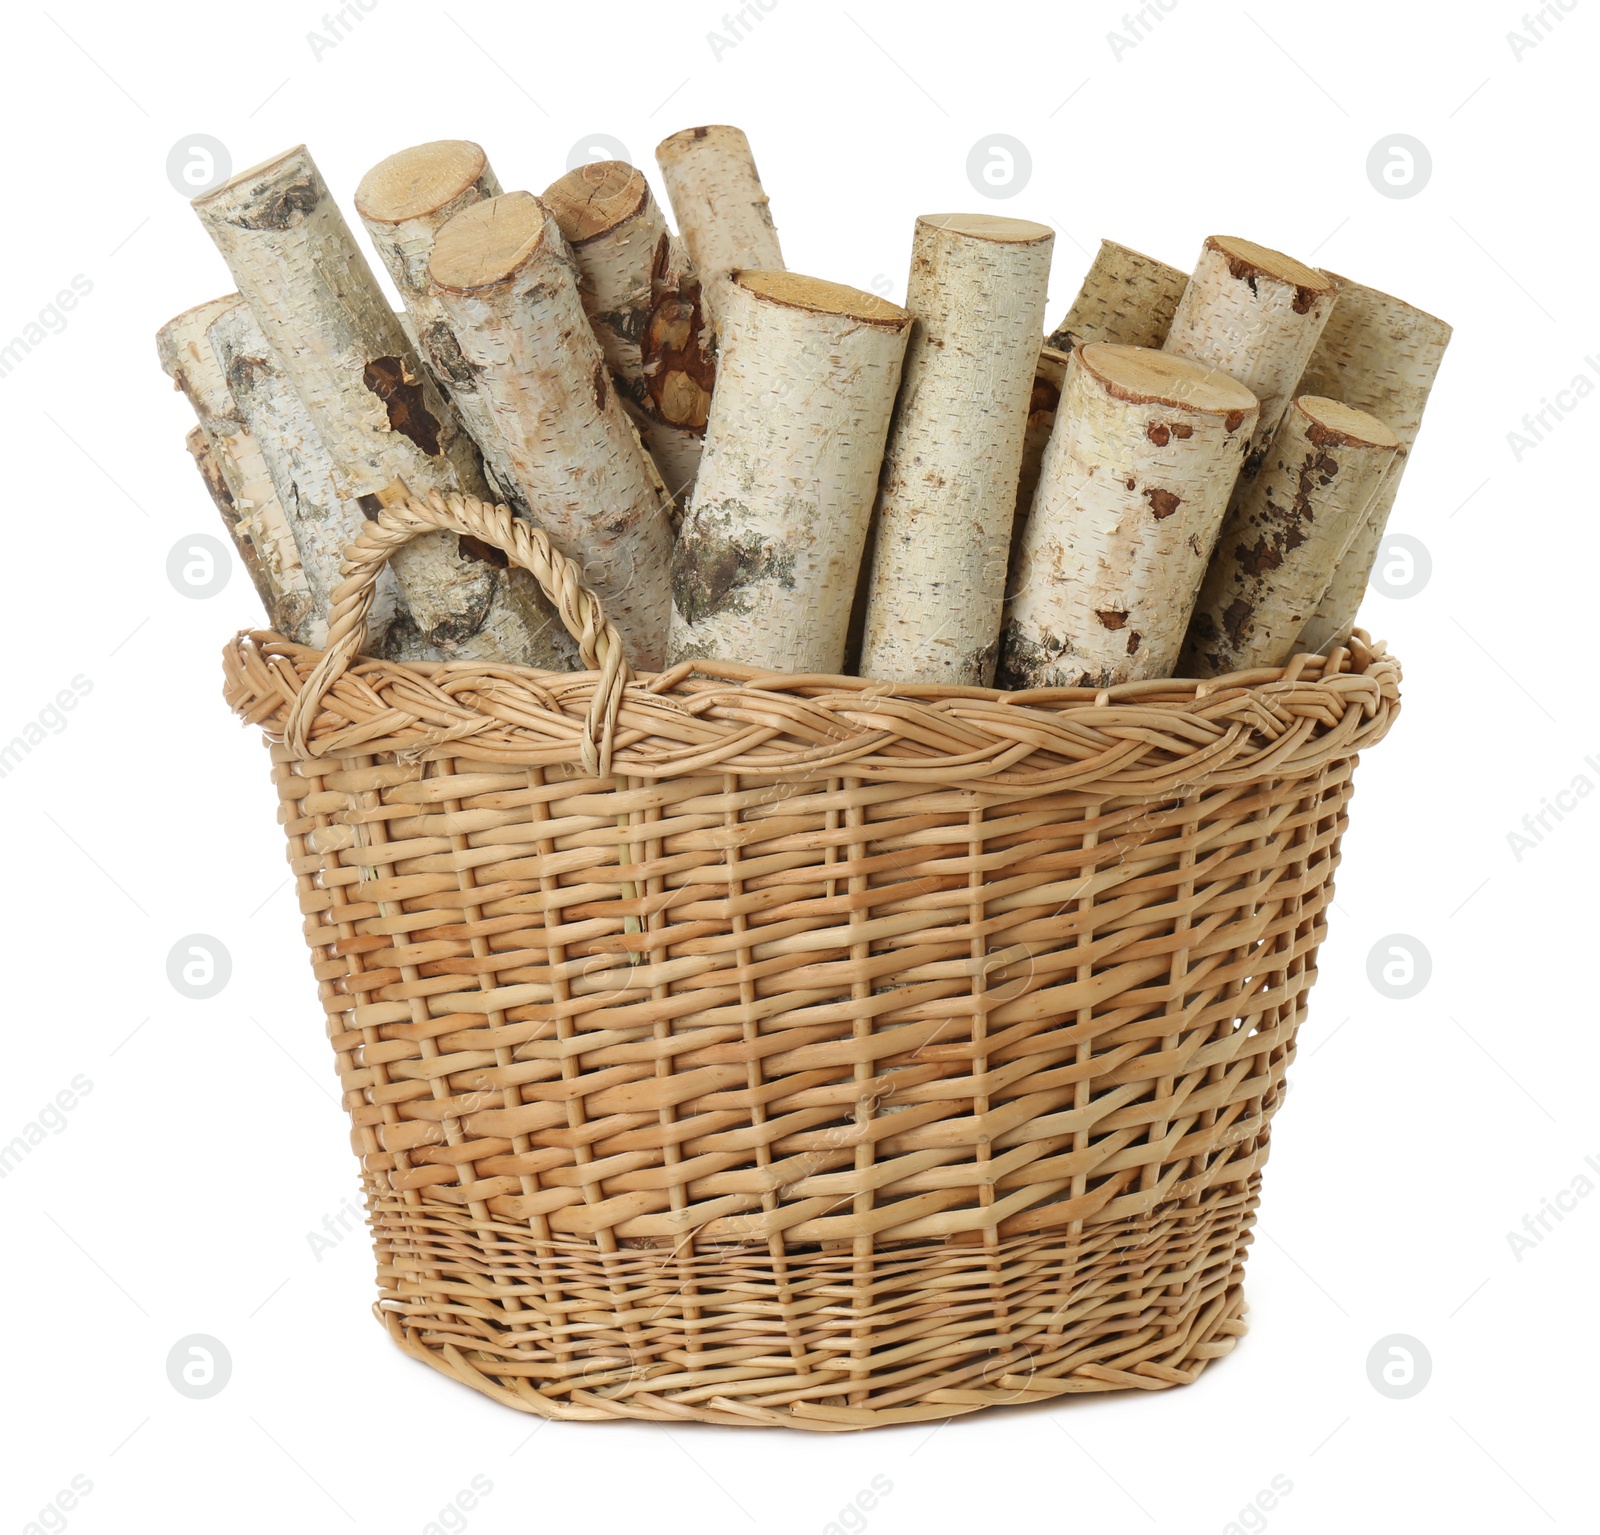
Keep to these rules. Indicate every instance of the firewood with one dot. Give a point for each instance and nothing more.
(1283, 538)
(403, 202)
(222, 498)
(302, 472)
(1256, 314)
(722, 211)
(766, 565)
(373, 404)
(643, 302)
(506, 281)
(976, 292)
(1131, 494)
(255, 517)
(1127, 298)
(1378, 354)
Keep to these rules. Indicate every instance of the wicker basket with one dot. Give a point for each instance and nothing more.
(807, 1051)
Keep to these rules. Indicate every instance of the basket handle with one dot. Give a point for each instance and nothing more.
(409, 517)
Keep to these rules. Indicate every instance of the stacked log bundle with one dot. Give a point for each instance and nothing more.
(645, 306)
(236, 473)
(506, 282)
(766, 564)
(1131, 494)
(976, 291)
(1256, 314)
(1285, 533)
(1127, 298)
(748, 465)
(722, 210)
(1381, 355)
(376, 410)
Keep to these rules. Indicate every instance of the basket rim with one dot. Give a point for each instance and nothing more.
(715, 717)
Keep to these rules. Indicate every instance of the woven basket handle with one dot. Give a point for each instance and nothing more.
(599, 644)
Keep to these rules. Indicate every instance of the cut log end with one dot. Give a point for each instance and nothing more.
(1143, 376)
(420, 180)
(272, 195)
(820, 296)
(482, 246)
(691, 140)
(1247, 261)
(594, 199)
(1334, 424)
(989, 226)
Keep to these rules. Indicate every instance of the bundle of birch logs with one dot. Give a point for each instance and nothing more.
(1190, 475)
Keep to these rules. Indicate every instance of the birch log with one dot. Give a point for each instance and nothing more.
(235, 456)
(643, 302)
(765, 569)
(1127, 299)
(722, 210)
(304, 478)
(1378, 354)
(1256, 314)
(403, 202)
(222, 498)
(1282, 539)
(380, 416)
(506, 282)
(976, 292)
(1133, 488)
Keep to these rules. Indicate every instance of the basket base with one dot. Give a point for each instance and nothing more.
(816, 1340)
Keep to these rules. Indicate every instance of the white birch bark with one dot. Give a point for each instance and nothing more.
(1283, 538)
(1256, 314)
(1378, 354)
(1133, 488)
(1127, 298)
(766, 565)
(258, 518)
(380, 416)
(222, 498)
(506, 281)
(976, 293)
(304, 478)
(722, 210)
(642, 300)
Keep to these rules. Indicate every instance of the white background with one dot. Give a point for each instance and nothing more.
(177, 1196)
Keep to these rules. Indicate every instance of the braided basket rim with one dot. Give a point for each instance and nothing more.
(700, 716)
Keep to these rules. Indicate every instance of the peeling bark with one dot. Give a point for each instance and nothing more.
(1043, 401)
(506, 282)
(1256, 314)
(722, 211)
(327, 321)
(257, 517)
(1378, 354)
(766, 566)
(1283, 538)
(643, 303)
(976, 291)
(322, 521)
(1126, 298)
(222, 499)
(1132, 491)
